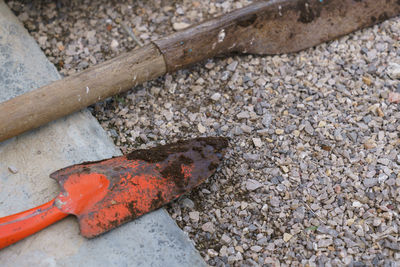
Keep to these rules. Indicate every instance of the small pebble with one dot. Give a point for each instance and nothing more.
(369, 182)
(180, 26)
(251, 157)
(393, 70)
(256, 248)
(208, 227)
(246, 128)
(243, 115)
(367, 81)
(188, 203)
(257, 142)
(212, 253)
(232, 66)
(13, 169)
(226, 239)
(194, 216)
(394, 97)
(323, 243)
(201, 128)
(216, 96)
(287, 237)
(114, 44)
(252, 185)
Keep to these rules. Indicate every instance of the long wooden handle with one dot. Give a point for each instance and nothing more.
(264, 27)
(60, 98)
(18, 226)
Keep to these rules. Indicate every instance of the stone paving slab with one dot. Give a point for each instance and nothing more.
(152, 240)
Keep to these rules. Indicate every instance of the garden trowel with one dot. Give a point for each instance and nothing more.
(111, 192)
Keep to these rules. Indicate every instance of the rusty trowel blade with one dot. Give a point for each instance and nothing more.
(273, 27)
(289, 26)
(106, 194)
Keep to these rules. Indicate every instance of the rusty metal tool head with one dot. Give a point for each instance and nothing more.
(273, 27)
(108, 193)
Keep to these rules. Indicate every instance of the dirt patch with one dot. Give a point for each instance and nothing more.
(213, 166)
(174, 171)
(157, 202)
(160, 153)
(247, 21)
(219, 143)
(185, 160)
(307, 13)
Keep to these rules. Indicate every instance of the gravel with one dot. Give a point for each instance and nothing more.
(312, 175)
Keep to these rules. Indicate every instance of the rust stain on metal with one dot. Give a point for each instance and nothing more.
(273, 27)
(108, 193)
(307, 13)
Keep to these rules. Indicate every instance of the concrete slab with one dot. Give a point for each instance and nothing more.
(152, 240)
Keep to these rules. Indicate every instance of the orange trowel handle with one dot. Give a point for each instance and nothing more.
(18, 226)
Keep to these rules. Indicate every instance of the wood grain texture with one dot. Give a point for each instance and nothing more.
(60, 98)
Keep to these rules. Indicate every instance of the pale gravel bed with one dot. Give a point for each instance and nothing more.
(312, 174)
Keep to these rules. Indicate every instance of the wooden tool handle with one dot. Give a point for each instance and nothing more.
(18, 226)
(63, 97)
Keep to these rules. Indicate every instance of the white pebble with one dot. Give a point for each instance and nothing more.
(194, 216)
(357, 204)
(42, 40)
(257, 142)
(180, 26)
(377, 222)
(114, 44)
(216, 96)
(393, 70)
(212, 253)
(201, 128)
(12, 169)
(287, 237)
(232, 66)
